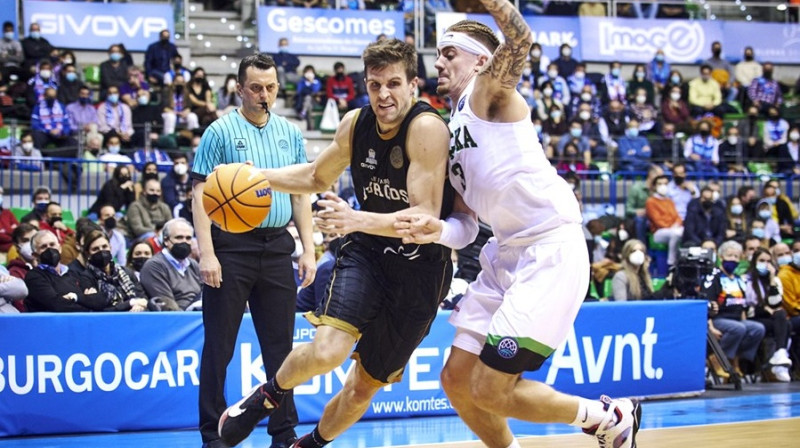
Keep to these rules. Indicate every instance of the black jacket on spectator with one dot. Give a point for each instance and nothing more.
(786, 163)
(729, 155)
(46, 292)
(113, 194)
(730, 305)
(701, 225)
(34, 49)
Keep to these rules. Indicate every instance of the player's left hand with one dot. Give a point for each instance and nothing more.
(306, 268)
(336, 216)
(418, 228)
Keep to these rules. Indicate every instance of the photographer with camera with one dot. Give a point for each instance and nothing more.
(738, 336)
(765, 290)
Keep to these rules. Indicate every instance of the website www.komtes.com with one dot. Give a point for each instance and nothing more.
(411, 405)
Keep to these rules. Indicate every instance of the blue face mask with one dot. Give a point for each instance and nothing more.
(575, 132)
(113, 98)
(796, 258)
(116, 57)
(632, 132)
(675, 79)
(71, 77)
(762, 268)
(758, 232)
(764, 214)
(35, 35)
(783, 260)
(615, 72)
(730, 266)
(736, 209)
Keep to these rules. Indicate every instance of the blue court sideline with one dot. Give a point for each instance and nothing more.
(755, 402)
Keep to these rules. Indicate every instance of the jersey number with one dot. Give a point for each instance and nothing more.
(458, 171)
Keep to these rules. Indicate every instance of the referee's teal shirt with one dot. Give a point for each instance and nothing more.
(233, 139)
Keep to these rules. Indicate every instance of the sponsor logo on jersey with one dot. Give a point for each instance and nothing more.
(401, 250)
(239, 144)
(382, 188)
(371, 162)
(507, 348)
(283, 145)
(396, 157)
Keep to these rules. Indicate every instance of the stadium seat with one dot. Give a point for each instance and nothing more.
(608, 289)
(68, 218)
(91, 75)
(19, 212)
(658, 283)
(658, 253)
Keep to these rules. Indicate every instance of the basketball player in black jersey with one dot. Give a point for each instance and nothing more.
(382, 293)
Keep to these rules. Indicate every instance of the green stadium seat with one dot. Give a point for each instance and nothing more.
(608, 289)
(658, 283)
(20, 212)
(656, 246)
(91, 74)
(68, 218)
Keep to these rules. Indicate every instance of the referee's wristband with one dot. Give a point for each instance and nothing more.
(458, 230)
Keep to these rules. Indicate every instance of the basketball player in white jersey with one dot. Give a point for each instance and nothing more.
(535, 270)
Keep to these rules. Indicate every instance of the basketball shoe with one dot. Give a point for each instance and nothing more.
(620, 425)
(239, 420)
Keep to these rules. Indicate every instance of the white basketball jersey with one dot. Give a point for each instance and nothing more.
(503, 175)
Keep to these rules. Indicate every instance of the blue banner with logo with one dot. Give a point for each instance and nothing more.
(636, 40)
(550, 32)
(772, 42)
(318, 31)
(95, 26)
(8, 13)
(72, 373)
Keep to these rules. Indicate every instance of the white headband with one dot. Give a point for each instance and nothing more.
(464, 42)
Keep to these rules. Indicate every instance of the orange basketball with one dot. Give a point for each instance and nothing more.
(237, 197)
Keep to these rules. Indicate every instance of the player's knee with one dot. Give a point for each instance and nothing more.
(330, 353)
(488, 390)
(454, 383)
(360, 392)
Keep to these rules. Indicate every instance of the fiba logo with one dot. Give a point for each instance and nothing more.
(681, 41)
(507, 348)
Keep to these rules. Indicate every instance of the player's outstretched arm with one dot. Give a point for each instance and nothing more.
(427, 147)
(456, 231)
(319, 175)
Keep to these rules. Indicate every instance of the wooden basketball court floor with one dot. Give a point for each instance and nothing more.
(762, 415)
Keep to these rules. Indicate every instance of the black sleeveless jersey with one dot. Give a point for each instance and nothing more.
(379, 166)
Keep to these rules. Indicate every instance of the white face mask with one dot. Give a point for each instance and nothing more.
(715, 196)
(231, 85)
(585, 115)
(641, 99)
(113, 149)
(623, 235)
(525, 91)
(733, 139)
(636, 258)
(586, 96)
(536, 52)
(552, 74)
(662, 190)
(309, 76)
(675, 96)
(27, 146)
(548, 92)
(26, 252)
(45, 74)
(794, 136)
(180, 169)
(526, 72)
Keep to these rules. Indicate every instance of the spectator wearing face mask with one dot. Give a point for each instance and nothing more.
(113, 71)
(172, 276)
(665, 223)
(570, 159)
(117, 192)
(158, 56)
(776, 133)
(578, 81)
(634, 150)
(22, 260)
(731, 156)
(645, 114)
(201, 98)
(575, 136)
(177, 108)
(116, 284)
(764, 91)
(560, 89)
(640, 81)
(144, 212)
(227, 96)
(547, 101)
(50, 125)
(39, 82)
(69, 85)
(633, 281)
(29, 157)
(539, 61)
(565, 63)
(765, 228)
(737, 222)
(114, 117)
(614, 85)
(54, 222)
(178, 69)
(107, 220)
(287, 64)
(339, 87)
(704, 221)
(52, 286)
(748, 68)
(526, 90)
(308, 92)
(781, 208)
(40, 199)
(82, 115)
(138, 255)
(701, 150)
(176, 185)
(659, 70)
(34, 47)
(112, 156)
(148, 112)
(789, 154)
(705, 95)
(675, 110)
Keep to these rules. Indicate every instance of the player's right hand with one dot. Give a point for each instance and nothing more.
(418, 229)
(210, 270)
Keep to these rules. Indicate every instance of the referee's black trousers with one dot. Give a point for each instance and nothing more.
(256, 268)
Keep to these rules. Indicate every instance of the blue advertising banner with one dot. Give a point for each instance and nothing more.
(8, 13)
(772, 42)
(636, 40)
(549, 32)
(112, 372)
(319, 32)
(95, 26)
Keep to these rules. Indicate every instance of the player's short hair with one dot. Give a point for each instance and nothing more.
(261, 61)
(477, 31)
(382, 53)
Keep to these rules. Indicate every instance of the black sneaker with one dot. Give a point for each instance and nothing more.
(239, 420)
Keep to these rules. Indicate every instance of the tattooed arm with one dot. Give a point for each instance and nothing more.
(498, 80)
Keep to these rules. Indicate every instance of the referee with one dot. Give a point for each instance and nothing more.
(253, 267)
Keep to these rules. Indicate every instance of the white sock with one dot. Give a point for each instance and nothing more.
(590, 413)
(514, 444)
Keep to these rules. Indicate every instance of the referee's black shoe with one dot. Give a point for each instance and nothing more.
(239, 420)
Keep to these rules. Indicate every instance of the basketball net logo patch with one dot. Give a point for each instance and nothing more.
(239, 144)
(507, 348)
